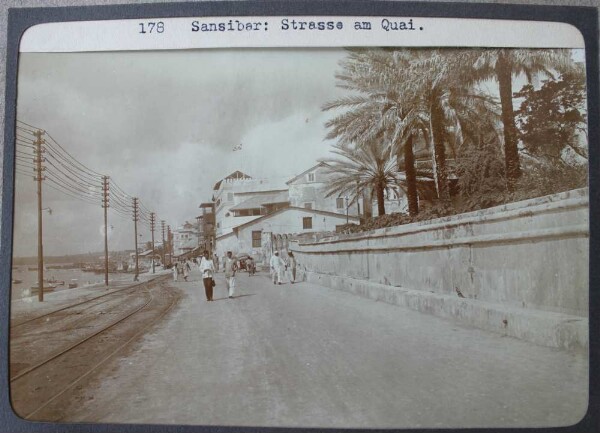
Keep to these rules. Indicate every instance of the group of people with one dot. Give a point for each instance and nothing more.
(279, 266)
(181, 268)
(208, 266)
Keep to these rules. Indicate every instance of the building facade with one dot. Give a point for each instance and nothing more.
(206, 226)
(267, 233)
(185, 239)
(307, 190)
(237, 188)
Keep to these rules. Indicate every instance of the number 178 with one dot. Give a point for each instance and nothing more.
(150, 27)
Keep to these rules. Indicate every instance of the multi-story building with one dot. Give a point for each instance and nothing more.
(307, 190)
(238, 188)
(206, 226)
(185, 239)
(256, 216)
(267, 233)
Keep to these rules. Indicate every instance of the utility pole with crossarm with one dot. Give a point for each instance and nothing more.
(135, 220)
(39, 177)
(105, 205)
(152, 221)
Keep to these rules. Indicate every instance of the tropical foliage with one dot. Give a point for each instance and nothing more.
(552, 119)
(420, 120)
(368, 167)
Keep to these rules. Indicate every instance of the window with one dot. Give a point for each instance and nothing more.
(308, 205)
(218, 202)
(256, 239)
(229, 196)
(310, 177)
(339, 202)
(307, 223)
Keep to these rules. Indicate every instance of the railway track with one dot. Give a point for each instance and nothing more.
(40, 385)
(15, 325)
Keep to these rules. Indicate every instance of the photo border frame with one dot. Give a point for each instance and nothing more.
(585, 19)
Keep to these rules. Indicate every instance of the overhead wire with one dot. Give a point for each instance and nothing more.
(71, 177)
(85, 188)
(51, 183)
(72, 168)
(48, 175)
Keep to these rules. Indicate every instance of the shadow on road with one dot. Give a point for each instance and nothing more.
(234, 297)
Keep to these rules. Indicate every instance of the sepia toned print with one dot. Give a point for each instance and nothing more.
(355, 238)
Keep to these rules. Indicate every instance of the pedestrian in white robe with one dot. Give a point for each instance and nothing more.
(277, 267)
(175, 272)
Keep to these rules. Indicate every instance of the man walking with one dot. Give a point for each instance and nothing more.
(216, 261)
(277, 266)
(291, 267)
(230, 267)
(207, 267)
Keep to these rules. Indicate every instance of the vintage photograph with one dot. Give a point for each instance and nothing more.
(380, 237)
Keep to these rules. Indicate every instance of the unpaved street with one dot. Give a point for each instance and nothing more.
(305, 355)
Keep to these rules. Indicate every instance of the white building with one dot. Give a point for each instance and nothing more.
(307, 190)
(238, 188)
(185, 238)
(256, 216)
(261, 236)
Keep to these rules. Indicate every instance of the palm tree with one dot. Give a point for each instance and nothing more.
(405, 93)
(370, 167)
(501, 64)
(375, 109)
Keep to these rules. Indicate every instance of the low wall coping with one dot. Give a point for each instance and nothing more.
(520, 237)
(573, 199)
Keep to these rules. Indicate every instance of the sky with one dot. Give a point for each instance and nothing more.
(163, 126)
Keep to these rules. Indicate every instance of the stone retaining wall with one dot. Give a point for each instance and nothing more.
(519, 260)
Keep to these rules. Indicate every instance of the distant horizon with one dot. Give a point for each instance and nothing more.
(94, 253)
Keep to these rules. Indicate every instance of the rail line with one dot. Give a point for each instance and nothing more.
(133, 286)
(80, 342)
(36, 387)
(173, 301)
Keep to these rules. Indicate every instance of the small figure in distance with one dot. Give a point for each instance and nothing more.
(230, 267)
(175, 271)
(251, 266)
(216, 261)
(291, 267)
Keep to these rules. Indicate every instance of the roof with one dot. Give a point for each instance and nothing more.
(287, 209)
(189, 244)
(235, 175)
(207, 205)
(190, 253)
(320, 164)
(261, 200)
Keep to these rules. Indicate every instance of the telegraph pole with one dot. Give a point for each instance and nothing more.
(170, 241)
(152, 221)
(162, 223)
(39, 168)
(105, 205)
(135, 220)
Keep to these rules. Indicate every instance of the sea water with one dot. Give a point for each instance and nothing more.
(84, 279)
